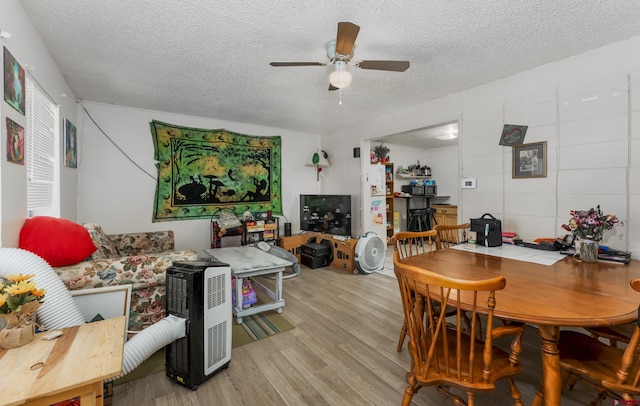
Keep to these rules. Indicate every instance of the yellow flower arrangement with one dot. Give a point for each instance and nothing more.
(19, 295)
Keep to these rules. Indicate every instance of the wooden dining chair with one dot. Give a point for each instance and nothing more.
(408, 244)
(615, 334)
(452, 234)
(614, 372)
(442, 354)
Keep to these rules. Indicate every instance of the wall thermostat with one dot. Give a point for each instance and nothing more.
(468, 183)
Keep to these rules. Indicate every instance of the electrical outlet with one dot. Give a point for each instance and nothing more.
(468, 183)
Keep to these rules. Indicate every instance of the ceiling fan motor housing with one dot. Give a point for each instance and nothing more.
(331, 50)
(334, 57)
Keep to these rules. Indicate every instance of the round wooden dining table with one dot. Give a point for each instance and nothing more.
(569, 293)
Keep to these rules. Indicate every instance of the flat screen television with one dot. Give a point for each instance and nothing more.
(326, 214)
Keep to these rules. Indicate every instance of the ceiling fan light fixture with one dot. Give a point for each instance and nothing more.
(340, 77)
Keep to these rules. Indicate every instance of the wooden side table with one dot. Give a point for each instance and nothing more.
(73, 365)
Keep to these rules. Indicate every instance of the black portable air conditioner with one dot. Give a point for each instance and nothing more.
(200, 292)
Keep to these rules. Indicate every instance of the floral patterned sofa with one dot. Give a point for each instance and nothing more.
(138, 259)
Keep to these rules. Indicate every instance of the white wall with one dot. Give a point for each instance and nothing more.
(586, 107)
(116, 194)
(27, 47)
(443, 162)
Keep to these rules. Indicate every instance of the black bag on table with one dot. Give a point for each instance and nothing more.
(488, 230)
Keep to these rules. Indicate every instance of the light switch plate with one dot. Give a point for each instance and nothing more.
(468, 183)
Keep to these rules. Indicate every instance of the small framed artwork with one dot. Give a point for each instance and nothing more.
(513, 134)
(13, 82)
(530, 160)
(15, 142)
(70, 145)
(103, 303)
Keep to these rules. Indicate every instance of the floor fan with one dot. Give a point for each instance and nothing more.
(370, 253)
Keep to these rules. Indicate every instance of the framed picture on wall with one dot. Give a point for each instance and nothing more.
(70, 145)
(530, 160)
(15, 142)
(13, 82)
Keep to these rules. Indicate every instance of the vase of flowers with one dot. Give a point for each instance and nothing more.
(588, 228)
(19, 301)
(587, 250)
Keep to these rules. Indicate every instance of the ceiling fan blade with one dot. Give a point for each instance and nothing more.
(279, 64)
(332, 87)
(395, 66)
(347, 33)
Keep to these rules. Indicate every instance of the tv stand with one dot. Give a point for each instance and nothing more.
(343, 248)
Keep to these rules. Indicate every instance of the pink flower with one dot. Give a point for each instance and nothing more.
(147, 273)
(155, 310)
(144, 293)
(138, 259)
(591, 224)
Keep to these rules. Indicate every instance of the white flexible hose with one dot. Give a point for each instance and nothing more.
(150, 340)
(59, 310)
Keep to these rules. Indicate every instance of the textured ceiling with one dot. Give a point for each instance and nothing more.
(211, 58)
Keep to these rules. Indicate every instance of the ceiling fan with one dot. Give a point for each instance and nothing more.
(340, 53)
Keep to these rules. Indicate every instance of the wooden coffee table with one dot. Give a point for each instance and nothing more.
(72, 365)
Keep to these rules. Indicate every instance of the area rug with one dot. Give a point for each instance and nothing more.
(253, 328)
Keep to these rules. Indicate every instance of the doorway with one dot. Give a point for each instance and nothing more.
(437, 147)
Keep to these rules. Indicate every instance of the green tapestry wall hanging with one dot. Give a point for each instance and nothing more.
(204, 172)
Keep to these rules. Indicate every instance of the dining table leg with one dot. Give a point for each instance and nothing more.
(550, 392)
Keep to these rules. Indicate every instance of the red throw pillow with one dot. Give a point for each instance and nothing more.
(58, 241)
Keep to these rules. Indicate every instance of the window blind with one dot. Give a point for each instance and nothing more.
(41, 117)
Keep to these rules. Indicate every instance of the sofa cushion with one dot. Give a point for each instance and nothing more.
(58, 241)
(105, 247)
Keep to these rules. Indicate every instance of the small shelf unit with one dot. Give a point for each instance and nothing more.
(405, 176)
(388, 177)
(265, 229)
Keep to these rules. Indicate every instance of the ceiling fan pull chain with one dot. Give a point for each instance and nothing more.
(340, 95)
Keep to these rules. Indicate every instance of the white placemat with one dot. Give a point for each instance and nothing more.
(516, 252)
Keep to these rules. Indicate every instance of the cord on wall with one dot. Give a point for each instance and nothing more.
(113, 142)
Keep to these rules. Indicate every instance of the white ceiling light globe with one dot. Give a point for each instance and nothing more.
(340, 78)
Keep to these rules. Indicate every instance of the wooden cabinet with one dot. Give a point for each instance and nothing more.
(388, 178)
(446, 214)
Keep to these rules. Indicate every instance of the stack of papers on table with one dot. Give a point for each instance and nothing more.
(515, 252)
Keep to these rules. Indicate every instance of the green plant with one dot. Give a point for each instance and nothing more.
(381, 151)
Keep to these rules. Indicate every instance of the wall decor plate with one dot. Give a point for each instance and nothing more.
(513, 134)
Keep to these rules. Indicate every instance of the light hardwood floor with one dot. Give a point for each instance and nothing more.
(342, 351)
